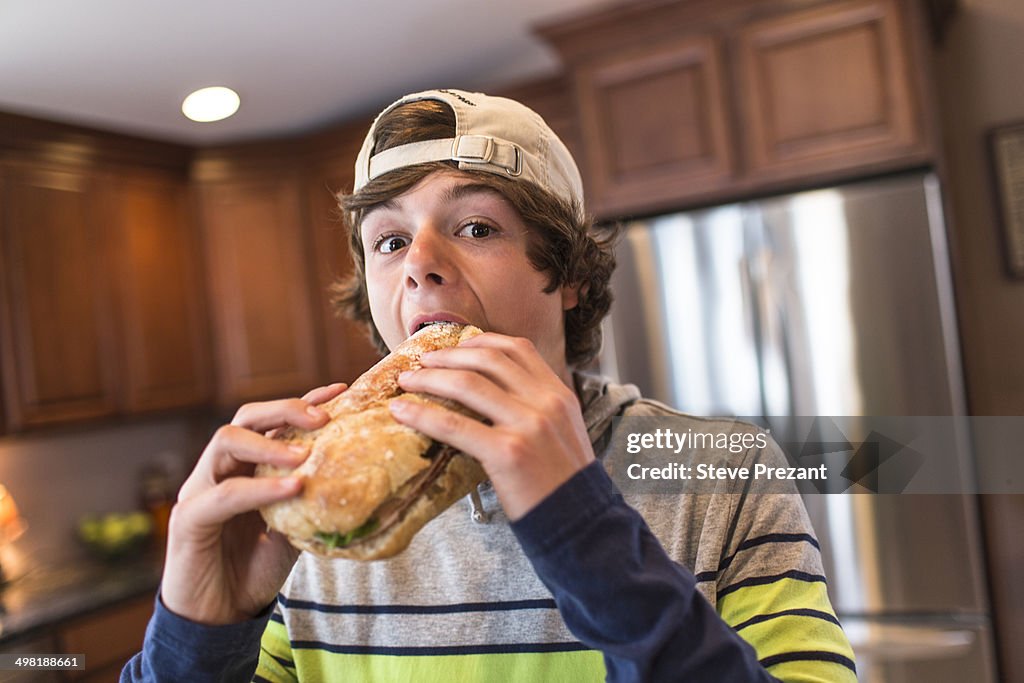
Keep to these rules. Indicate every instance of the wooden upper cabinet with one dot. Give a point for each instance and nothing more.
(685, 103)
(160, 294)
(259, 275)
(826, 88)
(654, 120)
(58, 335)
(348, 351)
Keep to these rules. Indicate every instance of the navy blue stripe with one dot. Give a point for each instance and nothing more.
(286, 663)
(507, 606)
(496, 648)
(276, 616)
(809, 656)
(761, 580)
(778, 538)
(801, 612)
(768, 538)
(753, 543)
(706, 576)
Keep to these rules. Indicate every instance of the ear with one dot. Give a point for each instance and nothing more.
(570, 297)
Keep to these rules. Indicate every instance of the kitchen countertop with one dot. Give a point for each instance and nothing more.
(46, 597)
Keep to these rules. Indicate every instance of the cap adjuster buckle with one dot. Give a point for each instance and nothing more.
(483, 149)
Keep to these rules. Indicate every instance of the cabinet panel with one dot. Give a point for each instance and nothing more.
(259, 277)
(349, 352)
(826, 88)
(160, 295)
(107, 639)
(32, 644)
(58, 332)
(654, 124)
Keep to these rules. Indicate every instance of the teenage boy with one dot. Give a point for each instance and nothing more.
(469, 208)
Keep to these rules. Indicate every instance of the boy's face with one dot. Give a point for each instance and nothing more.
(450, 249)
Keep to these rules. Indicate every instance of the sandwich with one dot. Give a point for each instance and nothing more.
(370, 482)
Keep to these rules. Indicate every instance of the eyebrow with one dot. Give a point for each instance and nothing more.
(458, 192)
(452, 194)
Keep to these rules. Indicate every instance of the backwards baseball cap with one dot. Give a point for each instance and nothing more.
(493, 134)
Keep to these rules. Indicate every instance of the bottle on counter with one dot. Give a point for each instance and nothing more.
(157, 494)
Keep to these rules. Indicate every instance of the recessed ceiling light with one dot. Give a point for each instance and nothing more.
(211, 104)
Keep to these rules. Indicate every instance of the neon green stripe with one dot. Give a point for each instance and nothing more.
(275, 642)
(790, 633)
(317, 665)
(752, 601)
(800, 634)
(812, 672)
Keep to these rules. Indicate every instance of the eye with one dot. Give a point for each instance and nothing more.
(386, 244)
(476, 230)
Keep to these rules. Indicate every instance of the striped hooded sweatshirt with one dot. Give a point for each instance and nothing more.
(588, 586)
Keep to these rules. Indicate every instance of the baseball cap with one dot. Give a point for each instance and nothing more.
(493, 134)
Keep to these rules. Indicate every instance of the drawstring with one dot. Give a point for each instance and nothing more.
(479, 515)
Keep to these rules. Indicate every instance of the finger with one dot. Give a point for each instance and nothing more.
(267, 415)
(519, 349)
(446, 426)
(232, 497)
(490, 362)
(235, 450)
(324, 394)
(471, 389)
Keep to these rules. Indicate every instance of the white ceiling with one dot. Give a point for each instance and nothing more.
(126, 65)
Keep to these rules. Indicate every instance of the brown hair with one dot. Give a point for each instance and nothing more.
(562, 245)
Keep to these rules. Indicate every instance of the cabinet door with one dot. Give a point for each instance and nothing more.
(348, 351)
(826, 88)
(259, 275)
(654, 125)
(160, 295)
(57, 347)
(108, 639)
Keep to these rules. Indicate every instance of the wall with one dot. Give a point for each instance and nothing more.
(978, 73)
(57, 477)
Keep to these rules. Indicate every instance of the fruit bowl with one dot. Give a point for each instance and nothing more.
(116, 535)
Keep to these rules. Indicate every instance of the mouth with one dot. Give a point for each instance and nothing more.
(426, 320)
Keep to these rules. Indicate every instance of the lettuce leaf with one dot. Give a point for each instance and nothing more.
(334, 539)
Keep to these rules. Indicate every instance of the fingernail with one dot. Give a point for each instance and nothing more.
(406, 374)
(315, 412)
(290, 483)
(398, 405)
(298, 448)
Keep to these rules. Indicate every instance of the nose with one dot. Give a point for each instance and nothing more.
(427, 262)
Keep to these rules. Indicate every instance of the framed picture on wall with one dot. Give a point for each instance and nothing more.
(1006, 145)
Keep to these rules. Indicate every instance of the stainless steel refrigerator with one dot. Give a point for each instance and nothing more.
(833, 302)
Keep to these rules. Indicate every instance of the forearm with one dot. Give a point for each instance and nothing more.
(176, 649)
(619, 592)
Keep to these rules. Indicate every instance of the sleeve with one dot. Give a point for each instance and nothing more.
(277, 663)
(619, 592)
(176, 649)
(771, 589)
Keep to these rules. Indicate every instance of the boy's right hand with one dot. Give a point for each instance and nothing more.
(223, 565)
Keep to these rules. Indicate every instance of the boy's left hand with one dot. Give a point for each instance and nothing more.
(536, 440)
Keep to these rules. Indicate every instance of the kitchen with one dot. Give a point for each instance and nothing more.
(90, 436)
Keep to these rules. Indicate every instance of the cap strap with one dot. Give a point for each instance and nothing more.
(487, 151)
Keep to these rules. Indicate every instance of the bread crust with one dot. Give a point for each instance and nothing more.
(363, 456)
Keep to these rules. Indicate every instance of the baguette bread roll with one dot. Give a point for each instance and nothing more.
(371, 482)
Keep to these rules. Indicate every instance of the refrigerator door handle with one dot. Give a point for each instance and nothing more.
(892, 642)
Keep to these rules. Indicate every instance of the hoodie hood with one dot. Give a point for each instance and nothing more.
(602, 400)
